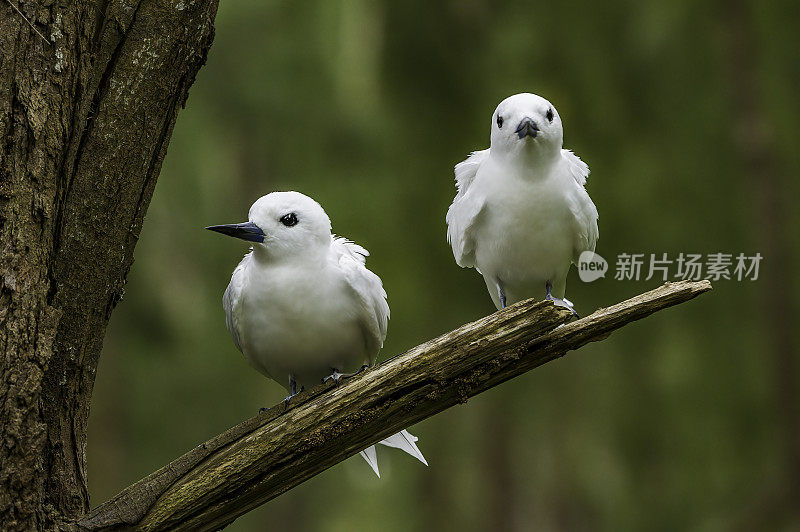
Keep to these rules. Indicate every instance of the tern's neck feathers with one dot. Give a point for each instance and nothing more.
(307, 253)
(535, 160)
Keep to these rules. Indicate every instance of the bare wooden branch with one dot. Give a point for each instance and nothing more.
(269, 454)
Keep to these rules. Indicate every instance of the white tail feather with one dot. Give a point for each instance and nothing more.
(371, 456)
(405, 441)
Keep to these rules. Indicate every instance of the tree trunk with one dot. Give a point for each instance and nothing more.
(88, 100)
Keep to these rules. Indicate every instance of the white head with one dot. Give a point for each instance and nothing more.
(526, 124)
(283, 224)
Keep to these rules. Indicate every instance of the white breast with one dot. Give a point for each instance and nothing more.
(526, 234)
(299, 323)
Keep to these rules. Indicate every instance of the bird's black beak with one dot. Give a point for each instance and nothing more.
(527, 127)
(246, 231)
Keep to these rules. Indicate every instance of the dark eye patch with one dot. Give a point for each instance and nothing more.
(549, 115)
(289, 220)
(499, 120)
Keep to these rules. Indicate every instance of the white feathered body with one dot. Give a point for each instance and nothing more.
(521, 224)
(302, 305)
(305, 320)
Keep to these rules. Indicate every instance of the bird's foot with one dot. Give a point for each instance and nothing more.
(335, 376)
(566, 303)
(289, 397)
(501, 295)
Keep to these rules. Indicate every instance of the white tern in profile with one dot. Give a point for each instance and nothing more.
(522, 215)
(301, 305)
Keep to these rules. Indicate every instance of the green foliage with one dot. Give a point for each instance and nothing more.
(673, 423)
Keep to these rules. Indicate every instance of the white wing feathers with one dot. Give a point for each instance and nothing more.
(343, 246)
(578, 168)
(368, 289)
(231, 298)
(583, 209)
(374, 318)
(464, 210)
(465, 170)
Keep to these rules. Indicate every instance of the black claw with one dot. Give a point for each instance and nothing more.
(263, 409)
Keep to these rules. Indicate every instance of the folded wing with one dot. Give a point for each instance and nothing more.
(372, 308)
(582, 206)
(231, 298)
(464, 210)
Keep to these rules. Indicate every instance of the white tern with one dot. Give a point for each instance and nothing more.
(301, 305)
(521, 215)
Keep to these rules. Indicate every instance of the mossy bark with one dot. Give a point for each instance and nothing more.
(217, 481)
(86, 113)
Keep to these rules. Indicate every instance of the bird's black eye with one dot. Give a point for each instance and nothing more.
(549, 115)
(289, 220)
(499, 120)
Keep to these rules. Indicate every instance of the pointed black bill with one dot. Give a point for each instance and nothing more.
(246, 231)
(527, 127)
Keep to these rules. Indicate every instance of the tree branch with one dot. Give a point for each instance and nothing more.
(211, 485)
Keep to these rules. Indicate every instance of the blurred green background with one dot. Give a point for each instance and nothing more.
(687, 114)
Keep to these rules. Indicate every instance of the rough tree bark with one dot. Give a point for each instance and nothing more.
(211, 485)
(86, 113)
